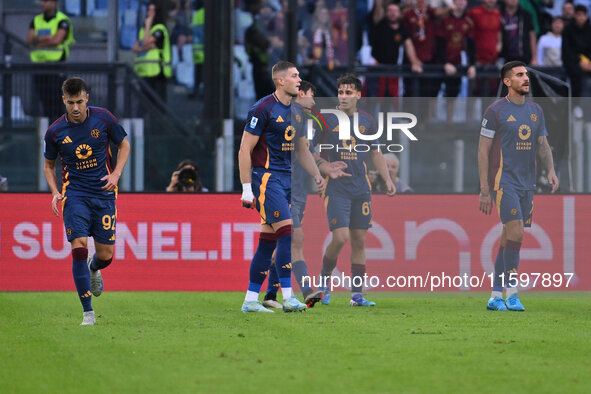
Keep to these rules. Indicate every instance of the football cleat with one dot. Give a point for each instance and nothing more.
(513, 304)
(360, 301)
(254, 306)
(292, 304)
(496, 304)
(272, 304)
(96, 279)
(88, 319)
(313, 298)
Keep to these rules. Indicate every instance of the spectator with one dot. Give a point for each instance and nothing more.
(533, 7)
(420, 22)
(576, 52)
(488, 41)
(50, 36)
(568, 12)
(454, 34)
(393, 165)
(257, 46)
(198, 29)
(340, 38)
(388, 35)
(323, 51)
(153, 54)
(487, 31)
(519, 37)
(181, 32)
(550, 45)
(186, 178)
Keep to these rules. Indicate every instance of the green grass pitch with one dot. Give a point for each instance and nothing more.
(201, 342)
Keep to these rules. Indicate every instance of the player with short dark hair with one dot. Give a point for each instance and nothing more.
(513, 131)
(348, 198)
(82, 138)
(264, 161)
(300, 181)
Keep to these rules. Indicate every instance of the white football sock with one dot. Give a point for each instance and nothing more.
(251, 296)
(287, 293)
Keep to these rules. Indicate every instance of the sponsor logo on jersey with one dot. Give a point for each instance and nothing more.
(83, 151)
(524, 132)
(67, 140)
(511, 118)
(279, 119)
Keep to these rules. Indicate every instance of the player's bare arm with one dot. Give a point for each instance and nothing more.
(545, 156)
(247, 145)
(380, 163)
(485, 199)
(49, 172)
(48, 40)
(306, 159)
(333, 170)
(112, 179)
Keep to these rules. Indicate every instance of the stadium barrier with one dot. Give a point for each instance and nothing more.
(205, 242)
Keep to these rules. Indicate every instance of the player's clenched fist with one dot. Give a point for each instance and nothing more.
(247, 198)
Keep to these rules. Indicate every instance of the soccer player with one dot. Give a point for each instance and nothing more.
(348, 199)
(300, 179)
(513, 129)
(264, 161)
(89, 185)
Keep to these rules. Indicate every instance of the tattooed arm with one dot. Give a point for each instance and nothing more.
(545, 156)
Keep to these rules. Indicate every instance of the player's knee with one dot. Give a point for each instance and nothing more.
(515, 233)
(104, 255)
(297, 239)
(340, 238)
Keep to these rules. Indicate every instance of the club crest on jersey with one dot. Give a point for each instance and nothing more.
(524, 132)
(69, 231)
(253, 122)
(276, 214)
(83, 151)
(513, 211)
(95, 133)
(534, 117)
(299, 118)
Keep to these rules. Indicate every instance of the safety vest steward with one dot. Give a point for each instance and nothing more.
(197, 25)
(43, 28)
(154, 61)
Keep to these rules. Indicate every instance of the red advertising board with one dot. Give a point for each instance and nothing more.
(205, 242)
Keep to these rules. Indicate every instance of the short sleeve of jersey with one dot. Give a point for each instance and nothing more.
(118, 133)
(50, 150)
(489, 124)
(64, 25)
(542, 130)
(298, 119)
(257, 117)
